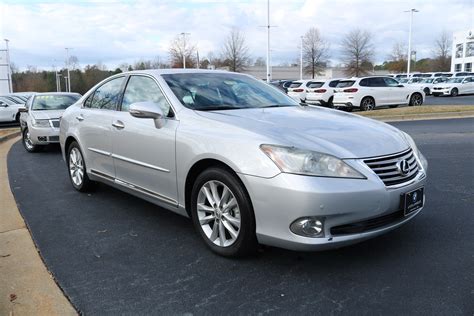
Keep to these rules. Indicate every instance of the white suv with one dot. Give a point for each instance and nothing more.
(321, 91)
(297, 90)
(454, 87)
(369, 92)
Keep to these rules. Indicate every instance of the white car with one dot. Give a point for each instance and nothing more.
(297, 90)
(367, 93)
(321, 91)
(454, 86)
(427, 84)
(40, 118)
(9, 110)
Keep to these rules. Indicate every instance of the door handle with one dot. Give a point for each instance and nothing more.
(118, 124)
(80, 118)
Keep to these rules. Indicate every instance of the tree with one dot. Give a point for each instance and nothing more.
(179, 47)
(235, 51)
(357, 52)
(398, 58)
(73, 62)
(315, 52)
(442, 47)
(260, 62)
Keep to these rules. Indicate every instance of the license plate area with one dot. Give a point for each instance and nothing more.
(413, 200)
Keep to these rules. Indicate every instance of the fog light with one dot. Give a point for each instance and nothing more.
(308, 227)
(42, 138)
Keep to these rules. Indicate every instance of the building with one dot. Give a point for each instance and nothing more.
(4, 80)
(463, 51)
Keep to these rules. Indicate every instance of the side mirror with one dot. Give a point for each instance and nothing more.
(149, 110)
(400, 86)
(23, 110)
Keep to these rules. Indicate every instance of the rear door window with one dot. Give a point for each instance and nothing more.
(377, 82)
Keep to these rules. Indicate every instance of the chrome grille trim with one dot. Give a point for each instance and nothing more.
(386, 167)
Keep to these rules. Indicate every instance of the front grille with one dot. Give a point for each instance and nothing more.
(55, 123)
(387, 170)
(54, 138)
(367, 225)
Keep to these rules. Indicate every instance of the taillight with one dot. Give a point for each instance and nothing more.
(320, 90)
(298, 90)
(351, 90)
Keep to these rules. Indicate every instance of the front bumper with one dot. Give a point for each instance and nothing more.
(441, 92)
(43, 135)
(280, 200)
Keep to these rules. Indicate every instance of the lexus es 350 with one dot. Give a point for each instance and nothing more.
(244, 161)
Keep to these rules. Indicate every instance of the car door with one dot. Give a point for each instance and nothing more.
(94, 122)
(144, 155)
(467, 86)
(398, 94)
(380, 91)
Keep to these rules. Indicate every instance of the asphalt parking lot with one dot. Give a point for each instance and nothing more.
(113, 253)
(459, 100)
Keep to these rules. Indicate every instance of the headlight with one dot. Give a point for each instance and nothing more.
(421, 159)
(306, 162)
(40, 123)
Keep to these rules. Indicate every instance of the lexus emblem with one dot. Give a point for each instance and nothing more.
(403, 167)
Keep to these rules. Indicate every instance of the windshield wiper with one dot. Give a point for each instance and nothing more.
(217, 108)
(275, 106)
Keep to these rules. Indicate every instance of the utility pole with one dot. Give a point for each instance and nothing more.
(68, 87)
(301, 59)
(184, 48)
(9, 67)
(409, 40)
(268, 41)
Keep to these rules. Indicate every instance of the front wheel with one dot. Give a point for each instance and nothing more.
(416, 100)
(77, 169)
(222, 213)
(367, 104)
(454, 92)
(28, 143)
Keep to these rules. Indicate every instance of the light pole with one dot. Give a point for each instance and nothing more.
(68, 87)
(268, 41)
(409, 40)
(301, 59)
(9, 68)
(184, 48)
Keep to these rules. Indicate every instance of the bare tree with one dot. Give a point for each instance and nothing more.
(235, 51)
(357, 52)
(181, 46)
(442, 48)
(398, 58)
(315, 52)
(73, 62)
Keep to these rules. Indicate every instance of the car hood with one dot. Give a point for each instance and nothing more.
(333, 132)
(47, 114)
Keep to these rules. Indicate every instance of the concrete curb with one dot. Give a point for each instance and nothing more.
(9, 136)
(423, 116)
(27, 287)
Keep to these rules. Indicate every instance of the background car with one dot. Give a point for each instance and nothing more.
(454, 86)
(321, 91)
(40, 118)
(427, 84)
(297, 90)
(370, 92)
(9, 110)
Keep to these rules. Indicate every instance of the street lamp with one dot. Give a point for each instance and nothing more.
(409, 39)
(184, 48)
(68, 87)
(301, 59)
(9, 69)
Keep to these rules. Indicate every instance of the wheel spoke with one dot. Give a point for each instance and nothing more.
(221, 233)
(208, 196)
(225, 196)
(215, 232)
(207, 219)
(204, 208)
(230, 205)
(230, 229)
(234, 221)
(215, 194)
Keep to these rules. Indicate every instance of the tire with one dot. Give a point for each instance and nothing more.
(28, 144)
(393, 106)
(17, 118)
(416, 99)
(329, 103)
(454, 92)
(426, 91)
(212, 220)
(77, 169)
(367, 104)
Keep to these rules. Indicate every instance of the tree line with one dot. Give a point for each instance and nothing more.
(356, 48)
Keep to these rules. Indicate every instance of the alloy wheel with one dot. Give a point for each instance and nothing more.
(218, 213)
(27, 140)
(76, 166)
(417, 100)
(368, 104)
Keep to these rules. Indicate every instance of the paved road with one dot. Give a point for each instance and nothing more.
(9, 125)
(113, 253)
(460, 100)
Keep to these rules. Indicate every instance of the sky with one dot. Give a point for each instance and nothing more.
(112, 32)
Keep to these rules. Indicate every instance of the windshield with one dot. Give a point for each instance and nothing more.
(455, 80)
(403, 80)
(430, 80)
(53, 102)
(224, 91)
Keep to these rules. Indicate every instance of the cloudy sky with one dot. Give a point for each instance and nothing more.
(116, 31)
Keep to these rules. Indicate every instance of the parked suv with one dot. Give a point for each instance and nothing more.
(370, 92)
(297, 90)
(454, 86)
(40, 118)
(321, 91)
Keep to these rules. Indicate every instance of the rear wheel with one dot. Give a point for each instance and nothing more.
(222, 213)
(28, 143)
(416, 99)
(454, 92)
(77, 169)
(17, 118)
(367, 104)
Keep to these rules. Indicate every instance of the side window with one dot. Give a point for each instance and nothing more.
(141, 89)
(376, 82)
(364, 83)
(391, 82)
(334, 83)
(106, 96)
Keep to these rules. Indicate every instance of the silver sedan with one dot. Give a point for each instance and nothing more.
(245, 162)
